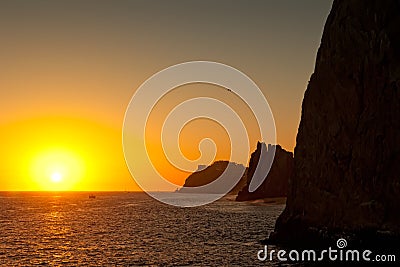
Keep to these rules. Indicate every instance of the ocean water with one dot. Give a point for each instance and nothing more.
(129, 229)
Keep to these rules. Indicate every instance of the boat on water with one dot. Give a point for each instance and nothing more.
(92, 196)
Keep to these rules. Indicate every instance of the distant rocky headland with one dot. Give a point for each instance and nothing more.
(207, 174)
(275, 184)
(346, 177)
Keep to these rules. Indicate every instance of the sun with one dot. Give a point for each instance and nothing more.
(56, 177)
(57, 170)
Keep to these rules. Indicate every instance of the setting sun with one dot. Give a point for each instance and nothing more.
(85, 153)
(56, 177)
(57, 169)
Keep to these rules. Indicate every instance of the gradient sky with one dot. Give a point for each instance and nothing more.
(69, 69)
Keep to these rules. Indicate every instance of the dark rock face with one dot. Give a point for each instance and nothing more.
(205, 175)
(346, 161)
(276, 183)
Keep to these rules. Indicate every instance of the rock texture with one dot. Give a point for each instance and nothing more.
(205, 175)
(276, 182)
(347, 156)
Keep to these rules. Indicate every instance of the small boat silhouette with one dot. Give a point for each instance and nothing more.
(92, 196)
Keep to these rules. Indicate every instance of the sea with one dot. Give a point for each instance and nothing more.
(130, 229)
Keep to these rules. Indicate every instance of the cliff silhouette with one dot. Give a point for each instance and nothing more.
(276, 182)
(346, 179)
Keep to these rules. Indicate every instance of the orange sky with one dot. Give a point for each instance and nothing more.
(69, 69)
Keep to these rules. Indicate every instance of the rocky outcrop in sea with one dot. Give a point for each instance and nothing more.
(276, 182)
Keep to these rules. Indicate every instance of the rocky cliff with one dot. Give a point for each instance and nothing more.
(346, 161)
(276, 182)
(205, 175)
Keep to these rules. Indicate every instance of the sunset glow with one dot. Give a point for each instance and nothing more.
(64, 168)
(56, 177)
(60, 153)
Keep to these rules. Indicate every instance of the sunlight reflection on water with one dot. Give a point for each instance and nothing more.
(129, 229)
